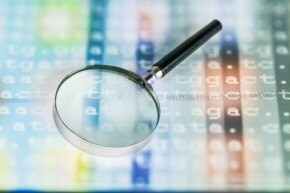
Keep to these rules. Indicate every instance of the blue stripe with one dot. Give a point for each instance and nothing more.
(95, 54)
(141, 171)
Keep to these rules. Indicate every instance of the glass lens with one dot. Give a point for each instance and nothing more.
(107, 108)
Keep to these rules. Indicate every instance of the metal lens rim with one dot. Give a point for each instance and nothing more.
(90, 147)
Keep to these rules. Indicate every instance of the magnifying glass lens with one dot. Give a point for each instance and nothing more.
(107, 107)
(109, 111)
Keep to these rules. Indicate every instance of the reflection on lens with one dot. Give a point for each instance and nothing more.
(107, 108)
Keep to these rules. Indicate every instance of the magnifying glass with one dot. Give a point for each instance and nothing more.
(109, 111)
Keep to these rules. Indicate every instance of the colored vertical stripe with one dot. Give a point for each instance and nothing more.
(141, 161)
(233, 125)
(96, 32)
(280, 38)
(214, 121)
(95, 49)
(95, 55)
(232, 107)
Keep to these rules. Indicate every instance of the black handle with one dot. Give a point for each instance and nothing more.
(173, 58)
